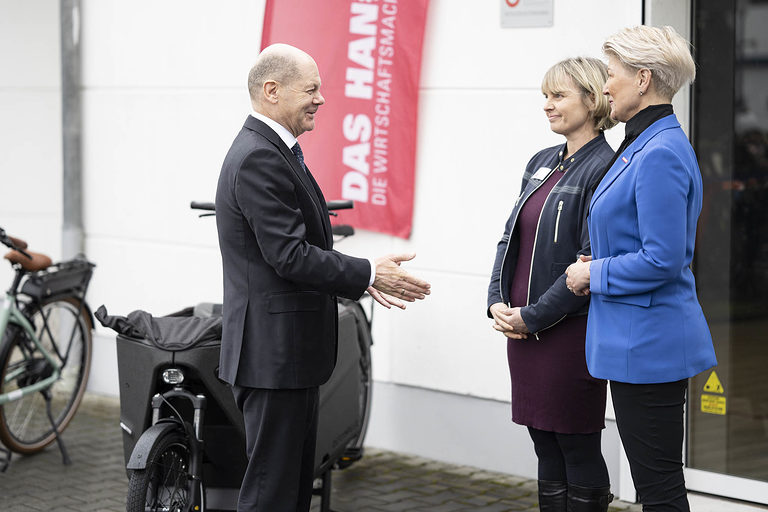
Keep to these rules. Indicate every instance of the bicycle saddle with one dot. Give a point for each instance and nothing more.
(38, 261)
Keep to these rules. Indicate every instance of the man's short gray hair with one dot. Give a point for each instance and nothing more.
(662, 50)
(278, 66)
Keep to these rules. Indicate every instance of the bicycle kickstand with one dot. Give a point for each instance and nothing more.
(59, 441)
(5, 458)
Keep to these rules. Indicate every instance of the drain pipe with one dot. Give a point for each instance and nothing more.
(73, 238)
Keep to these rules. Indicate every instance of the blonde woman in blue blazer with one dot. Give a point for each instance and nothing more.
(646, 332)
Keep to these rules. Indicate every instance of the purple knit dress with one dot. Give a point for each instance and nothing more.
(551, 387)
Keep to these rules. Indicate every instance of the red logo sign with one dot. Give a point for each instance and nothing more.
(364, 145)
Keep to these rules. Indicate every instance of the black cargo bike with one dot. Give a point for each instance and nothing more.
(183, 436)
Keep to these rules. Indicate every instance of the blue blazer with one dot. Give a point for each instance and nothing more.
(645, 322)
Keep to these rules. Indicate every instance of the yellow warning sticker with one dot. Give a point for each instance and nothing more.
(713, 384)
(713, 404)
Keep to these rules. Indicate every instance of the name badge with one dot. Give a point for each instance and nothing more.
(541, 173)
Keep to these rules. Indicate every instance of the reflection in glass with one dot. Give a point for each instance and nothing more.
(728, 426)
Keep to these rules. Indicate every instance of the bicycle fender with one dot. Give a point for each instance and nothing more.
(147, 440)
(89, 313)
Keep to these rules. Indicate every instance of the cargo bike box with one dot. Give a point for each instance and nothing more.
(153, 351)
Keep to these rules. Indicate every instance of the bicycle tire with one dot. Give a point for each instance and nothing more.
(164, 483)
(24, 424)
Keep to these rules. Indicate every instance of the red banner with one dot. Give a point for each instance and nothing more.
(363, 146)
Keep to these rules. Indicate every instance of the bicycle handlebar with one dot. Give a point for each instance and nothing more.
(340, 204)
(200, 205)
(332, 205)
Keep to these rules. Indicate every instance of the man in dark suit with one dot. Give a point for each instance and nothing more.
(281, 280)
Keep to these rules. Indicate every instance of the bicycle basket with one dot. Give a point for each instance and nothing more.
(66, 277)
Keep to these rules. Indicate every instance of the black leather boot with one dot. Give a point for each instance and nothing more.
(588, 499)
(552, 496)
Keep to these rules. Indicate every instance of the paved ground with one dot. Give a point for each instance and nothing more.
(381, 482)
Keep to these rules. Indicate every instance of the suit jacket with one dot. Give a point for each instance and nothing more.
(281, 274)
(645, 322)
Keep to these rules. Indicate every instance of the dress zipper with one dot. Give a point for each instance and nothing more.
(557, 222)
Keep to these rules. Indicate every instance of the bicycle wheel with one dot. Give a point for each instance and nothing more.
(164, 484)
(66, 335)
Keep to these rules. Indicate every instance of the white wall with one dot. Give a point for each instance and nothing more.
(30, 126)
(163, 96)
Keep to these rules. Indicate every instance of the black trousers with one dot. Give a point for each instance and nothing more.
(281, 432)
(571, 458)
(650, 422)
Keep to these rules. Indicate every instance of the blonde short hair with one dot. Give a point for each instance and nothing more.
(589, 76)
(662, 50)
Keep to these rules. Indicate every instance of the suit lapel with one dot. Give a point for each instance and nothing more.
(305, 178)
(625, 159)
(325, 216)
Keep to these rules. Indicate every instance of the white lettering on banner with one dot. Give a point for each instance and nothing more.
(359, 83)
(382, 108)
(365, 21)
(369, 77)
(379, 197)
(354, 184)
(356, 157)
(360, 51)
(357, 127)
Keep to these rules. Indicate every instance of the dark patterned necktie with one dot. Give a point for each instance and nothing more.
(299, 155)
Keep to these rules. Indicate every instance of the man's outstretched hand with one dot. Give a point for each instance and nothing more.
(393, 285)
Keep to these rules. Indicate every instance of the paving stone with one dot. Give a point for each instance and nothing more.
(382, 481)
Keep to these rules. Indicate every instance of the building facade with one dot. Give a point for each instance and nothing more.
(163, 94)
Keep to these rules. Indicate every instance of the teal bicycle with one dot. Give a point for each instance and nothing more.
(45, 349)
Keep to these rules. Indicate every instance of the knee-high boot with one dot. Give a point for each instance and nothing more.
(588, 499)
(552, 496)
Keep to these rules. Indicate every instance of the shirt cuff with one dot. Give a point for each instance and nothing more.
(373, 272)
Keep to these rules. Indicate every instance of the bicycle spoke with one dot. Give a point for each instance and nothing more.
(25, 413)
(171, 493)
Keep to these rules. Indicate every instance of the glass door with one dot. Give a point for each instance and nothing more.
(727, 441)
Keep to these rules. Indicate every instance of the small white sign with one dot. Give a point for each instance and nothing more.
(527, 13)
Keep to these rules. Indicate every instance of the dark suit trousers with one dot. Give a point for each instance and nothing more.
(281, 431)
(650, 422)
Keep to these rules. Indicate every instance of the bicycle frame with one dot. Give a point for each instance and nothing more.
(10, 314)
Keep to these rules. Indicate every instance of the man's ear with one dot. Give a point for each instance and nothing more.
(270, 91)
